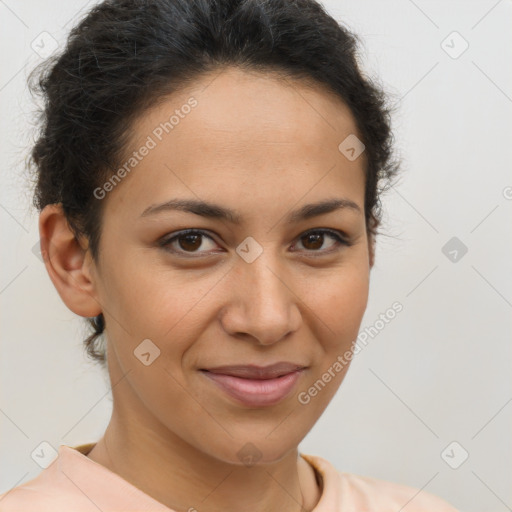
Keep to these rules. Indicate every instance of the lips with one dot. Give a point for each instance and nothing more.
(257, 372)
(256, 386)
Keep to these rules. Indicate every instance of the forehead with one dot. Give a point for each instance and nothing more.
(235, 105)
(236, 130)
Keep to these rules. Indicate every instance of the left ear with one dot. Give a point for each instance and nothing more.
(68, 263)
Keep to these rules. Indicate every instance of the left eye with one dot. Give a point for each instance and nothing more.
(189, 242)
(315, 239)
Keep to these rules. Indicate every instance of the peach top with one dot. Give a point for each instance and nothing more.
(75, 483)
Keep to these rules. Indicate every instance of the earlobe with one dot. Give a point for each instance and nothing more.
(67, 262)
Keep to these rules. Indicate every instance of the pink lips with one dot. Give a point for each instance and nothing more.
(256, 386)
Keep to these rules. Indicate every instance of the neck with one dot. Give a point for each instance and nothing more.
(174, 473)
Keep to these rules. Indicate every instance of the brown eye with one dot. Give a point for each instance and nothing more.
(314, 240)
(190, 242)
(186, 242)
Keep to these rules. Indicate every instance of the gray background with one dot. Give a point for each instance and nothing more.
(439, 372)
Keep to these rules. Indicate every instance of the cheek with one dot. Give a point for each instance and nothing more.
(146, 296)
(339, 307)
(167, 307)
(339, 302)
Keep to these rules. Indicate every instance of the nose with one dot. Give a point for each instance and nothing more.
(263, 305)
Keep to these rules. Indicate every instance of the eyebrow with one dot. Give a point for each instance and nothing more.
(215, 211)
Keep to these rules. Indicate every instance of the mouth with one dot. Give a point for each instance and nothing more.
(256, 386)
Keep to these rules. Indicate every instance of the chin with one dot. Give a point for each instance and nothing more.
(253, 450)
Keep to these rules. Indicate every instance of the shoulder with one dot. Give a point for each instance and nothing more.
(52, 490)
(23, 498)
(34, 495)
(351, 492)
(374, 492)
(45, 493)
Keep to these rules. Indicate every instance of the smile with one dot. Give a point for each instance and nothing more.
(256, 387)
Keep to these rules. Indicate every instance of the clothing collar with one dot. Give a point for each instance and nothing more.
(119, 494)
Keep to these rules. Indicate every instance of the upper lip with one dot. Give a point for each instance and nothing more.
(251, 371)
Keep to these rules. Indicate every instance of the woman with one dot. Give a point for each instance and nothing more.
(208, 180)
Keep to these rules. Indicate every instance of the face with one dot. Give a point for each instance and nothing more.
(260, 287)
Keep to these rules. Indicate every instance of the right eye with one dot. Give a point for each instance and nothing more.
(187, 242)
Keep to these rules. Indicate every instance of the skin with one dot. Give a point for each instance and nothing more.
(173, 433)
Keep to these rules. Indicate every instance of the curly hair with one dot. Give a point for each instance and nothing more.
(126, 55)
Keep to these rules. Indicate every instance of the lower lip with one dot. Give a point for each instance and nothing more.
(253, 392)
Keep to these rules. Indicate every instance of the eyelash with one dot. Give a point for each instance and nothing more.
(167, 241)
